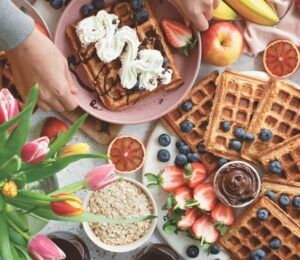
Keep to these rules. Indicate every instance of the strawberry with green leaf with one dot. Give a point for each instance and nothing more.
(204, 230)
(223, 216)
(179, 36)
(195, 173)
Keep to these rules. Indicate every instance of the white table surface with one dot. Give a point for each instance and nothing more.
(77, 170)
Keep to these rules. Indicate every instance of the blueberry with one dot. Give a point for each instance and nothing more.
(214, 249)
(222, 161)
(180, 160)
(275, 167)
(270, 194)
(192, 251)
(235, 145)
(265, 135)
(98, 4)
(275, 243)
(296, 201)
(186, 126)
(193, 157)
(164, 139)
(136, 4)
(187, 106)
(179, 143)
(141, 16)
(87, 10)
(284, 201)
(201, 148)
(258, 254)
(165, 62)
(239, 132)
(184, 150)
(226, 125)
(56, 4)
(262, 214)
(163, 155)
(249, 137)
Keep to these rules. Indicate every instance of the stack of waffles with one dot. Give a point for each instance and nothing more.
(104, 76)
(254, 105)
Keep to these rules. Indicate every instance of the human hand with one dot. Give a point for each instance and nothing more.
(37, 60)
(197, 12)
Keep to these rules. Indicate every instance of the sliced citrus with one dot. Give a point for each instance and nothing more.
(281, 59)
(127, 154)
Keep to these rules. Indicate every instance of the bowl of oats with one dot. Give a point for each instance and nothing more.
(124, 198)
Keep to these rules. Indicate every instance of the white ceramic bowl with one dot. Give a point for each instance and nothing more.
(245, 204)
(127, 247)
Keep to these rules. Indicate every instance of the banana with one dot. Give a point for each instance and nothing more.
(224, 12)
(256, 11)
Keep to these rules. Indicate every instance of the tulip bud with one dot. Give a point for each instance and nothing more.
(10, 189)
(36, 150)
(41, 247)
(8, 106)
(100, 177)
(73, 149)
(71, 207)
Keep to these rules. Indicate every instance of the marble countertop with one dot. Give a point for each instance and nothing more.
(77, 170)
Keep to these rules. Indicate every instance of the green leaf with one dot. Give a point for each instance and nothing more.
(23, 251)
(39, 196)
(52, 168)
(15, 254)
(193, 43)
(71, 188)
(12, 166)
(170, 229)
(19, 219)
(153, 180)
(20, 180)
(191, 203)
(168, 204)
(177, 215)
(65, 137)
(151, 177)
(2, 203)
(184, 51)
(5, 250)
(16, 238)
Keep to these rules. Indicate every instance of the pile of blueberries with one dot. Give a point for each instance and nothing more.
(193, 251)
(283, 200)
(241, 135)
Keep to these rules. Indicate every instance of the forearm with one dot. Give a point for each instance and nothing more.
(15, 26)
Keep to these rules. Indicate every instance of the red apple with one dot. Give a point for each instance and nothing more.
(222, 44)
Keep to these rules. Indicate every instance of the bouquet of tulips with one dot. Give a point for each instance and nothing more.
(22, 163)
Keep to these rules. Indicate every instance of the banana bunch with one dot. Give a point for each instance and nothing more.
(256, 11)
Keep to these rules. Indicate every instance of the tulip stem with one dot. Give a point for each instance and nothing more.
(69, 189)
(16, 228)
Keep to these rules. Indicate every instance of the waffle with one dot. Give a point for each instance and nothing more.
(280, 187)
(236, 100)
(6, 78)
(104, 77)
(288, 154)
(249, 233)
(278, 111)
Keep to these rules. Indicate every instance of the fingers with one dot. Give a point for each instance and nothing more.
(209, 13)
(69, 102)
(70, 81)
(186, 20)
(201, 23)
(216, 3)
(44, 106)
(57, 106)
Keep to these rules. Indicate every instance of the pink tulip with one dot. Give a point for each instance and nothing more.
(100, 177)
(42, 248)
(35, 151)
(8, 106)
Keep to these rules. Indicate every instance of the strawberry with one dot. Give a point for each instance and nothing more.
(223, 214)
(169, 179)
(179, 35)
(195, 173)
(205, 196)
(182, 195)
(297, 5)
(42, 29)
(204, 230)
(52, 127)
(188, 219)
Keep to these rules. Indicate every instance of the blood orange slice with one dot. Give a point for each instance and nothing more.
(127, 154)
(281, 59)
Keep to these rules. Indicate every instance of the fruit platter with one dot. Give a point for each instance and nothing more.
(172, 128)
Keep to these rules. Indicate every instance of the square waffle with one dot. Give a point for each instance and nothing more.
(278, 111)
(236, 100)
(249, 233)
(288, 154)
(104, 76)
(280, 187)
(6, 78)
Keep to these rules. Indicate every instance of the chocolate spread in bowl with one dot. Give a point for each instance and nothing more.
(236, 184)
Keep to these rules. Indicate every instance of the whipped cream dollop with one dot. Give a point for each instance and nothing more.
(111, 42)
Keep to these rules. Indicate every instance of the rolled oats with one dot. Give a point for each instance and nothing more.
(120, 199)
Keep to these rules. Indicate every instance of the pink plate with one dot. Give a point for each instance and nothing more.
(149, 108)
